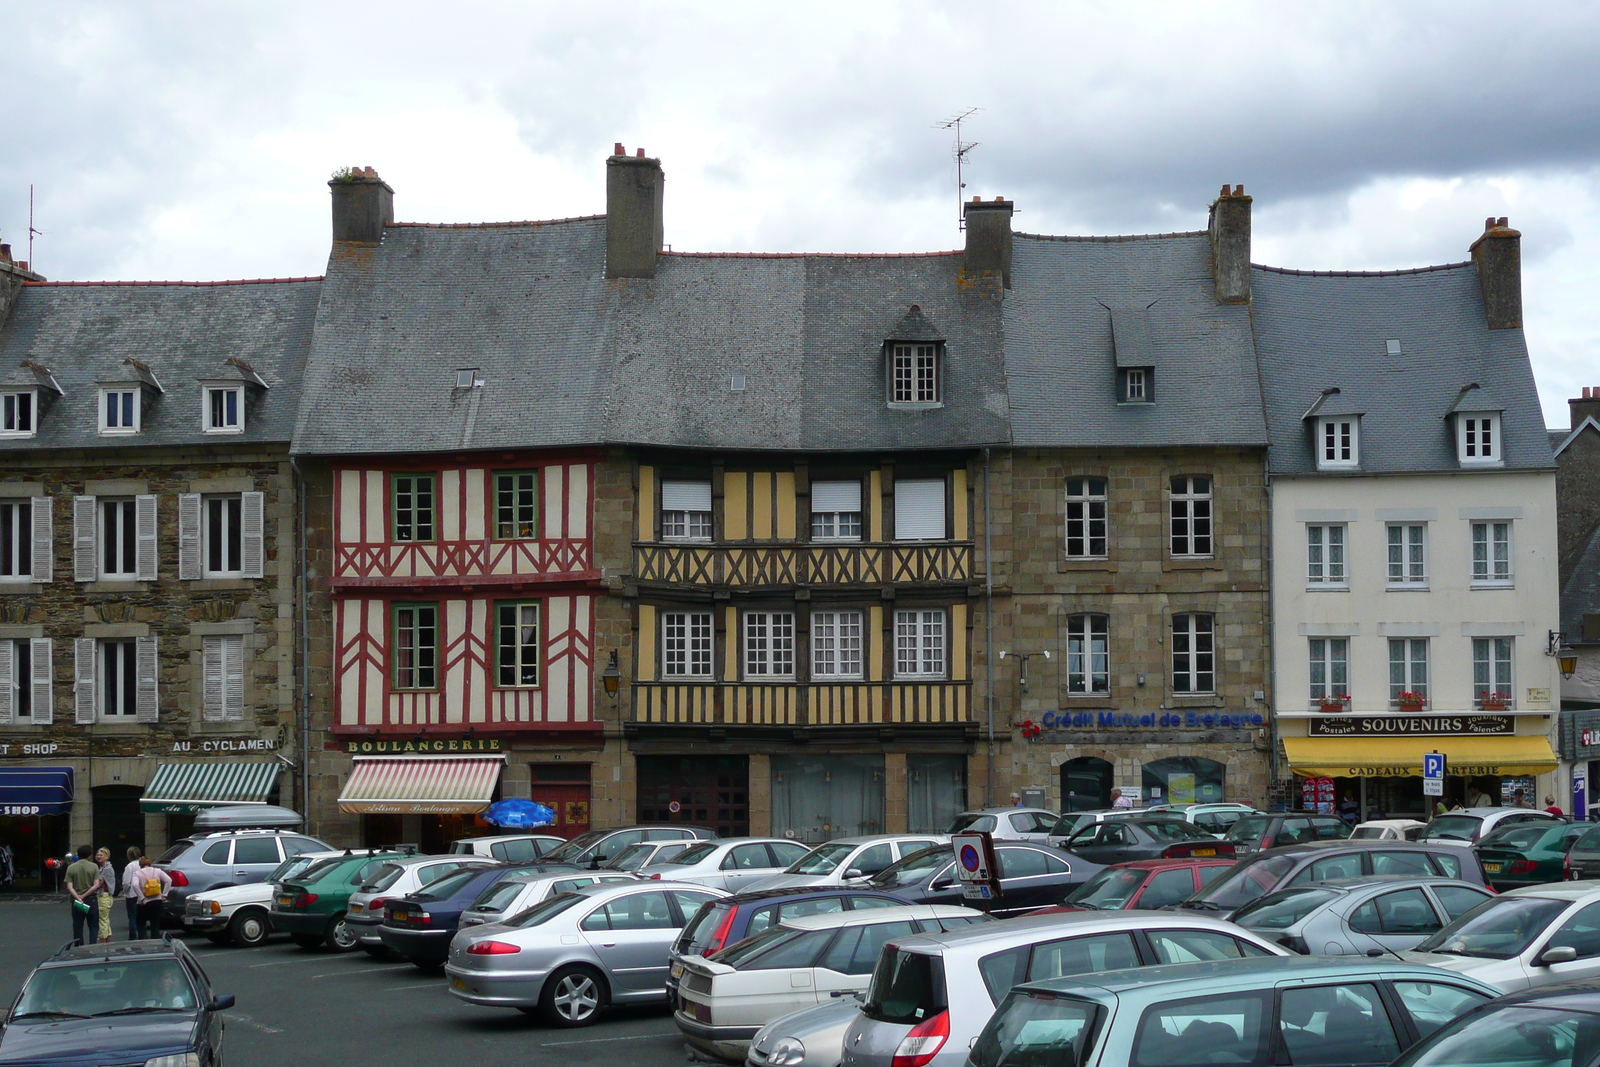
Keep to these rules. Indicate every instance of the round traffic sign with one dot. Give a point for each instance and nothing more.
(969, 857)
(674, 807)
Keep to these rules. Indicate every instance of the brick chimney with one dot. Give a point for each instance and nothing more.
(13, 272)
(1230, 245)
(1498, 256)
(634, 231)
(363, 204)
(1584, 407)
(989, 237)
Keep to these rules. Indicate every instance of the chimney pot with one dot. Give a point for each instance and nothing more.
(639, 153)
(1224, 191)
(989, 238)
(634, 232)
(1503, 221)
(977, 199)
(1586, 407)
(1230, 246)
(1238, 190)
(618, 150)
(1488, 223)
(1498, 256)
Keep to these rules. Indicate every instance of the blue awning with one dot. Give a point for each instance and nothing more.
(35, 790)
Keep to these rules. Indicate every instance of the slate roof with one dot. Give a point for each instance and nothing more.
(1314, 331)
(184, 332)
(570, 357)
(1062, 354)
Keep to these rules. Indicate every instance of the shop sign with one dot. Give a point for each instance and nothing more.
(1586, 730)
(226, 744)
(31, 749)
(1185, 720)
(1401, 725)
(398, 747)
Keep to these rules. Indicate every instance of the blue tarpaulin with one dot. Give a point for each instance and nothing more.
(35, 790)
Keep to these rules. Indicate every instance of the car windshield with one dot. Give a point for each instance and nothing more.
(913, 869)
(1110, 890)
(575, 848)
(1172, 830)
(824, 859)
(1513, 1036)
(387, 876)
(1279, 911)
(1243, 883)
(1515, 838)
(906, 987)
(697, 932)
(289, 868)
(632, 858)
(125, 987)
(319, 869)
(1368, 833)
(741, 952)
(1250, 829)
(546, 910)
(448, 886)
(693, 854)
(1032, 1030)
(1068, 824)
(972, 822)
(499, 896)
(1451, 828)
(1497, 929)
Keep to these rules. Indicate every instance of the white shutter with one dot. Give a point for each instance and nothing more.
(233, 679)
(189, 558)
(43, 681)
(8, 679)
(836, 496)
(252, 527)
(211, 676)
(919, 510)
(146, 703)
(44, 530)
(145, 521)
(85, 551)
(83, 685)
(685, 496)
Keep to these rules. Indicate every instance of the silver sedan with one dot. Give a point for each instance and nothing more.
(1356, 916)
(810, 1037)
(571, 955)
(730, 863)
(518, 892)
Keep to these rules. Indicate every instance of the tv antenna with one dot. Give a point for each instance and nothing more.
(31, 230)
(960, 150)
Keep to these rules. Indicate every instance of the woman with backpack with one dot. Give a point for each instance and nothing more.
(132, 892)
(153, 885)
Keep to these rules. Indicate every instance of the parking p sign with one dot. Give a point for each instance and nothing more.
(1433, 771)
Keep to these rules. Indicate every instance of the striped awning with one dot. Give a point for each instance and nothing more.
(184, 788)
(420, 785)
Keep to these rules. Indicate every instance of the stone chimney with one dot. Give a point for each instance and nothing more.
(363, 204)
(989, 237)
(1584, 407)
(1230, 245)
(1498, 257)
(634, 231)
(13, 273)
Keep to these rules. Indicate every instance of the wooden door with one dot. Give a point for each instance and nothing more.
(564, 789)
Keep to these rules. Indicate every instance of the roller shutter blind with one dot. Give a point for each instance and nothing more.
(685, 496)
(836, 496)
(919, 509)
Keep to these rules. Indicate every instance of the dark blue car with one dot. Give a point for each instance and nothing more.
(126, 1002)
(419, 927)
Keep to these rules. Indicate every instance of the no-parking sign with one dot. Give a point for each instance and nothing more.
(975, 865)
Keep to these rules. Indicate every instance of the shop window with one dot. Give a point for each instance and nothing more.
(1330, 668)
(1088, 655)
(936, 791)
(700, 790)
(1086, 783)
(822, 797)
(1194, 654)
(1185, 780)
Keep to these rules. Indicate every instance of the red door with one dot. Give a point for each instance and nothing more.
(557, 787)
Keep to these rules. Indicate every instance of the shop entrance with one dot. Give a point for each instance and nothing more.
(32, 838)
(815, 798)
(709, 791)
(432, 834)
(1086, 783)
(1185, 780)
(936, 792)
(564, 789)
(118, 822)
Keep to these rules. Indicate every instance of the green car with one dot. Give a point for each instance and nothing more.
(1528, 854)
(311, 909)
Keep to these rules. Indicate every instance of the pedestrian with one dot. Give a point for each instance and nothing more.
(1349, 808)
(1120, 801)
(1016, 800)
(82, 878)
(132, 892)
(154, 885)
(1519, 799)
(105, 896)
(1478, 798)
(1439, 808)
(1553, 808)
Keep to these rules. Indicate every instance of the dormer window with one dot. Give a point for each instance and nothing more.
(17, 413)
(915, 374)
(223, 409)
(1478, 438)
(119, 410)
(1338, 442)
(1136, 385)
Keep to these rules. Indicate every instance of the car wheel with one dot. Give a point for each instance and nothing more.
(249, 928)
(341, 936)
(306, 940)
(573, 996)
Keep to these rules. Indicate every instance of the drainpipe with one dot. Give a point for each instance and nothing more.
(1272, 662)
(305, 654)
(988, 625)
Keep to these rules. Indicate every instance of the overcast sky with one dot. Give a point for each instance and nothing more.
(171, 140)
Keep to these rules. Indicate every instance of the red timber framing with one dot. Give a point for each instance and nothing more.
(458, 567)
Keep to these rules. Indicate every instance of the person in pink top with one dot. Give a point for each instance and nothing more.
(152, 884)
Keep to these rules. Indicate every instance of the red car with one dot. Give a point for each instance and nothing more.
(1142, 885)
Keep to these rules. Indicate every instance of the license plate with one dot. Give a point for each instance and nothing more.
(459, 983)
(1492, 868)
(1204, 852)
(677, 970)
(402, 916)
(284, 902)
(188, 920)
(355, 909)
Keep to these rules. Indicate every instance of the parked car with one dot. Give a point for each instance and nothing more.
(418, 927)
(731, 919)
(1006, 824)
(521, 890)
(1214, 819)
(811, 1037)
(224, 858)
(1252, 833)
(645, 853)
(729, 863)
(931, 994)
(1354, 916)
(312, 907)
(1332, 1013)
(723, 1001)
(1143, 885)
(1468, 826)
(1323, 861)
(143, 1002)
(396, 878)
(1031, 876)
(1583, 858)
(508, 848)
(1388, 830)
(1073, 821)
(849, 859)
(572, 955)
(598, 847)
(1125, 840)
(1528, 853)
(1557, 1025)
(243, 913)
(1528, 937)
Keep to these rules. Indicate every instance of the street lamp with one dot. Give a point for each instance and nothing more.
(611, 677)
(1566, 656)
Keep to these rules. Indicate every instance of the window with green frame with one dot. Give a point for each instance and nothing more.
(516, 505)
(415, 648)
(517, 643)
(414, 503)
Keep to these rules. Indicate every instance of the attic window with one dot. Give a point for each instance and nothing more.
(467, 379)
(119, 409)
(17, 413)
(914, 373)
(1338, 442)
(1136, 385)
(1393, 347)
(223, 410)
(1478, 438)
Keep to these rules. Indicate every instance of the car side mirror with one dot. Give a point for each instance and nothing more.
(1558, 954)
(854, 872)
(941, 885)
(226, 1000)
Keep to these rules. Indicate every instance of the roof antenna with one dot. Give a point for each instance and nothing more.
(31, 230)
(960, 150)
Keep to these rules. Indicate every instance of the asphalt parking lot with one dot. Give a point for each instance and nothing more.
(314, 1008)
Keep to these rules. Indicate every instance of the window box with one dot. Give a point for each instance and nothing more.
(1495, 702)
(1334, 705)
(1411, 702)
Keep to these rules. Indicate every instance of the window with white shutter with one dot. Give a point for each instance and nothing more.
(146, 697)
(145, 509)
(686, 511)
(118, 539)
(223, 678)
(188, 537)
(85, 657)
(44, 547)
(40, 650)
(9, 682)
(919, 509)
(16, 540)
(85, 546)
(18, 696)
(253, 535)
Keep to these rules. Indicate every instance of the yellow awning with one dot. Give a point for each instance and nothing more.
(1399, 757)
